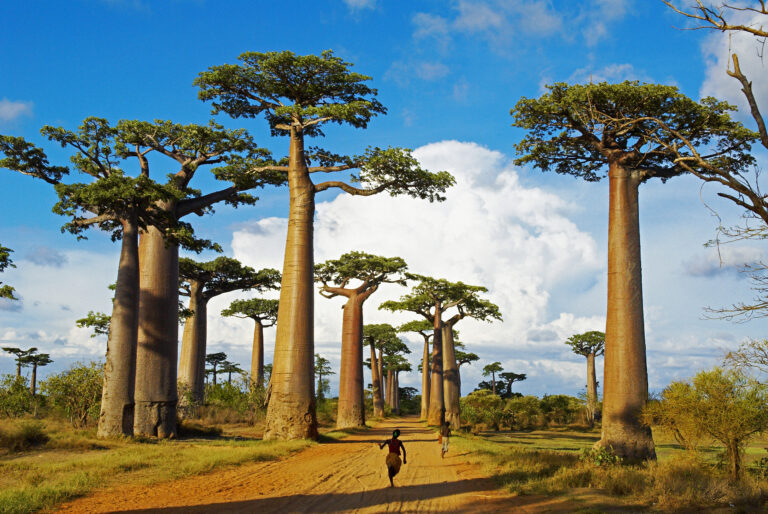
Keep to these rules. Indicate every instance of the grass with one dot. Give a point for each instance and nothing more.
(73, 462)
(546, 462)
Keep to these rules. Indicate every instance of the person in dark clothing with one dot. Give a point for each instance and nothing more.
(393, 457)
(445, 436)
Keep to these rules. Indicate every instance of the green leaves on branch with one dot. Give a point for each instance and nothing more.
(592, 342)
(371, 270)
(6, 291)
(224, 274)
(646, 128)
(397, 171)
(261, 310)
(23, 157)
(98, 321)
(302, 91)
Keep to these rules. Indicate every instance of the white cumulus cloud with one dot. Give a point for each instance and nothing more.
(11, 110)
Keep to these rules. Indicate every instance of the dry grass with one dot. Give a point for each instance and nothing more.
(547, 462)
(73, 462)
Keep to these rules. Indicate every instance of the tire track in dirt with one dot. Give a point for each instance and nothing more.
(343, 476)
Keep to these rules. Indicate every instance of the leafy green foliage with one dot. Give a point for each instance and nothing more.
(600, 456)
(510, 378)
(674, 412)
(727, 406)
(224, 274)
(6, 291)
(587, 343)
(429, 291)
(98, 321)
(371, 270)
(288, 89)
(26, 158)
(483, 407)
(76, 392)
(560, 409)
(578, 129)
(15, 396)
(322, 368)
(492, 368)
(20, 355)
(261, 310)
(215, 360)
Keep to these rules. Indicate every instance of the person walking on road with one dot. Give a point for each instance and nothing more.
(445, 436)
(393, 457)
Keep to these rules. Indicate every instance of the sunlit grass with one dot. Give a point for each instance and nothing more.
(73, 463)
(546, 462)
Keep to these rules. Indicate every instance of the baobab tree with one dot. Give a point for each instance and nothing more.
(229, 368)
(509, 378)
(6, 291)
(591, 345)
(298, 95)
(355, 276)
(322, 368)
(202, 281)
(432, 298)
(378, 336)
(215, 360)
(425, 329)
(35, 360)
(264, 314)
(462, 357)
(394, 364)
(597, 130)
(491, 369)
(21, 355)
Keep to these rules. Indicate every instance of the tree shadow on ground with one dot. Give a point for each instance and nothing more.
(327, 503)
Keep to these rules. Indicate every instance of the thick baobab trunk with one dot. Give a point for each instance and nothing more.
(257, 355)
(436, 415)
(396, 393)
(158, 337)
(378, 400)
(591, 389)
(351, 411)
(33, 380)
(390, 385)
(193, 344)
(425, 381)
(626, 377)
(291, 413)
(117, 404)
(450, 379)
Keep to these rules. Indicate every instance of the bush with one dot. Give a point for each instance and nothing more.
(22, 435)
(560, 409)
(525, 412)
(727, 406)
(483, 407)
(674, 412)
(15, 397)
(76, 393)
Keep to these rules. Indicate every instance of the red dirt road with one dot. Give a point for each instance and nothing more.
(343, 476)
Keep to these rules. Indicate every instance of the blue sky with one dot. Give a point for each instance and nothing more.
(449, 72)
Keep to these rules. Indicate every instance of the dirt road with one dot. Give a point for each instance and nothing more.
(343, 476)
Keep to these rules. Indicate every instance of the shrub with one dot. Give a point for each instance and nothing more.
(560, 409)
(76, 392)
(727, 406)
(15, 397)
(525, 412)
(483, 406)
(22, 435)
(674, 412)
(600, 456)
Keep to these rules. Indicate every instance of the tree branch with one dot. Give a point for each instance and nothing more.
(189, 205)
(349, 189)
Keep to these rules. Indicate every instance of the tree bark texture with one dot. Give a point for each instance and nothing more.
(436, 415)
(117, 403)
(378, 400)
(450, 379)
(390, 385)
(625, 381)
(591, 389)
(33, 380)
(291, 413)
(425, 381)
(158, 337)
(193, 344)
(351, 409)
(396, 393)
(257, 355)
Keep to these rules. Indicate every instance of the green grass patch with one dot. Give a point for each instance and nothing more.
(73, 463)
(546, 462)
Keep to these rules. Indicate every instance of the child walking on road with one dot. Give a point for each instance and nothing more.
(393, 457)
(445, 435)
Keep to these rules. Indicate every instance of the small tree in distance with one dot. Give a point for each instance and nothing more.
(264, 313)
(591, 345)
(510, 378)
(491, 370)
(215, 360)
(322, 368)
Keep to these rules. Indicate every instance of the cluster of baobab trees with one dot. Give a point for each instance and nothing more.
(297, 95)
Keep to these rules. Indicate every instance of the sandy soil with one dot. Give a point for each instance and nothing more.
(342, 476)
